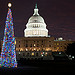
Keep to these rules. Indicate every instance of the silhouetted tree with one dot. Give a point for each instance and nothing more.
(71, 49)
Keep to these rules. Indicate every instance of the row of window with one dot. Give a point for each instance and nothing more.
(35, 45)
(41, 46)
(36, 54)
(28, 54)
(60, 47)
(43, 42)
(36, 25)
(32, 49)
(60, 43)
(34, 41)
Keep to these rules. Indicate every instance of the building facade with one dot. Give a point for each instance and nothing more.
(40, 44)
(39, 47)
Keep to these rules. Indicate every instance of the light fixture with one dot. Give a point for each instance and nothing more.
(9, 4)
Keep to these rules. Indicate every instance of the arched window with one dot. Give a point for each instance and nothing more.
(37, 45)
(36, 54)
(23, 54)
(37, 25)
(27, 54)
(31, 45)
(26, 45)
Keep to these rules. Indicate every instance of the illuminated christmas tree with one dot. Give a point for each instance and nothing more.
(8, 54)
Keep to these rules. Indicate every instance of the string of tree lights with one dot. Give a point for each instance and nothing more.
(8, 54)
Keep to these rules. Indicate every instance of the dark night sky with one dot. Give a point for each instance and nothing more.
(59, 16)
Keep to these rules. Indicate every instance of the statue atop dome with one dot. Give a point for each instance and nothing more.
(36, 6)
(36, 10)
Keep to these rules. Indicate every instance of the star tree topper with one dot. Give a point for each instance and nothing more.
(9, 5)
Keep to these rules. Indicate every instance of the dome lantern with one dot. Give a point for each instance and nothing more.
(36, 10)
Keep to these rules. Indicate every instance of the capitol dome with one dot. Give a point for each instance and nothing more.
(36, 19)
(36, 26)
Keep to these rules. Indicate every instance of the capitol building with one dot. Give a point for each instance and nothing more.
(36, 43)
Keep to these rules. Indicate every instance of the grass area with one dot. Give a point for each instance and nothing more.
(37, 67)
